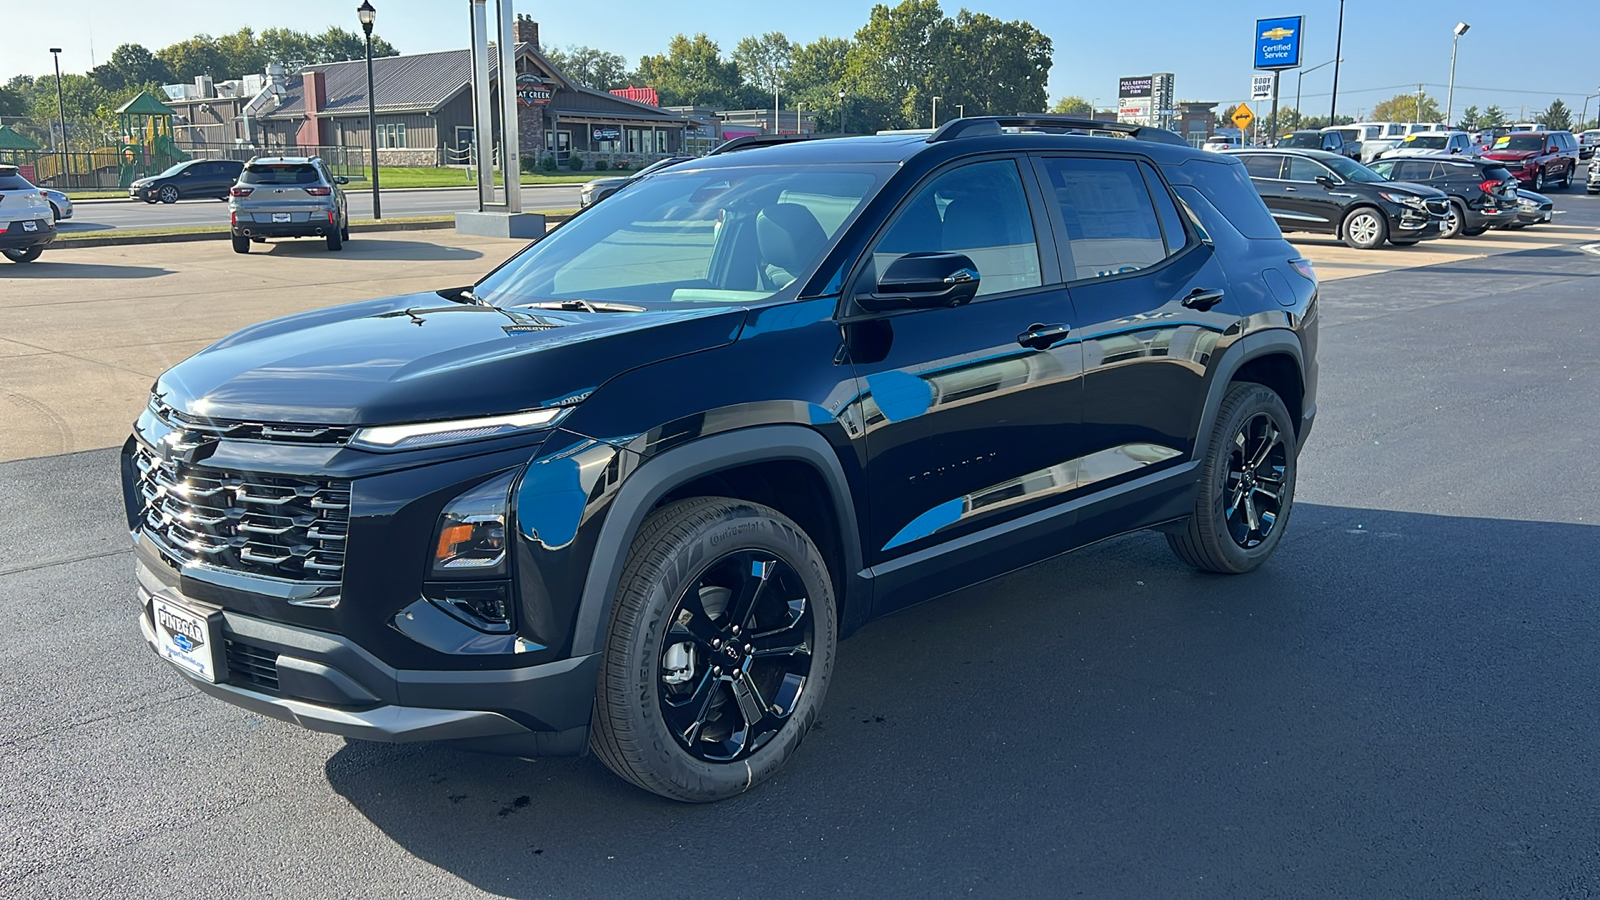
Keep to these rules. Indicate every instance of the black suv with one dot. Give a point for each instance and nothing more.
(1325, 193)
(197, 179)
(1483, 193)
(1331, 141)
(628, 490)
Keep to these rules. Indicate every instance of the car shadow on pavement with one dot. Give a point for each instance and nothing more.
(1396, 699)
(45, 267)
(366, 247)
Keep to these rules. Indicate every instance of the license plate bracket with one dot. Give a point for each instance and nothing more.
(280, 217)
(189, 635)
(30, 226)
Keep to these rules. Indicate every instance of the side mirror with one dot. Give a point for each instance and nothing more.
(340, 179)
(1326, 181)
(923, 281)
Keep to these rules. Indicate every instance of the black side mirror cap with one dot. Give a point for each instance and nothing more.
(1326, 182)
(340, 179)
(923, 281)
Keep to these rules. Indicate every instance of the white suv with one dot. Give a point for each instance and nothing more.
(25, 213)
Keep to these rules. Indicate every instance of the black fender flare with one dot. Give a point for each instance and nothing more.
(659, 475)
(1251, 346)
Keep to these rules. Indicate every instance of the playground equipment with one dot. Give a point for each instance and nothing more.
(147, 148)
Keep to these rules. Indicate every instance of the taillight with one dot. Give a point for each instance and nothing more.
(319, 191)
(1489, 187)
(237, 191)
(233, 218)
(330, 217)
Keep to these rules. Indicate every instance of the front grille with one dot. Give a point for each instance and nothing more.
(1438, 207)
(252, 666)
(238, 429)
(273, 525)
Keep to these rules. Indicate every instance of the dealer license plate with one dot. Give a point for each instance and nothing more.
(30, 226)
(185, 638)
(280, 217)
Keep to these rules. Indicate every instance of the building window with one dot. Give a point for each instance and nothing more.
(392, 136)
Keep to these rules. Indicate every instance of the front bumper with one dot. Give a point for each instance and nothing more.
(326, 682)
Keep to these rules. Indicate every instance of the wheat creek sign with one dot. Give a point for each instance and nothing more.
(533, 91)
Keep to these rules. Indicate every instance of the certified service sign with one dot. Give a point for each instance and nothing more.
(1278, 42)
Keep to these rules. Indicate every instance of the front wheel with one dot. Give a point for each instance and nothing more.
(55, 212)
(169, 194)
(720, 650)
(1247, 485)
(1538, 181)
(1365, 229)
(25, 254)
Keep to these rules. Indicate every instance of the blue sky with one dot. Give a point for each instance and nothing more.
(1389, 47)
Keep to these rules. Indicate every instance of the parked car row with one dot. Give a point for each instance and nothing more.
(1399, 201)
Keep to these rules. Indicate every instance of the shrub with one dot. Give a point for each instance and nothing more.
(548, 163)
(575, 163)
(529, 162)
(601, 165)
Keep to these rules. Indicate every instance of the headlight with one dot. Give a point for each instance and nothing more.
(432, 434)
(1403, 200)
(468, 576)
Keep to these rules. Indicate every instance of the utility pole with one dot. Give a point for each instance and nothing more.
(1419, 104)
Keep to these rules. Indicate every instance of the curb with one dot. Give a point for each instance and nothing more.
(188, 237)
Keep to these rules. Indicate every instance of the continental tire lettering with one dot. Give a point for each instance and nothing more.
(734, 531)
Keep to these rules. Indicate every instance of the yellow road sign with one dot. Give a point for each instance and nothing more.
(1242, 117)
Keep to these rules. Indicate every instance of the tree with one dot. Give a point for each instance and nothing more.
(1471, 120)
(131, 64)
(85, 104)
(591, 68)
(1073, 106)
(764, 61)
(692, 73)
(194, 57)
(1492, 118)
(816, 75)
(291, 49)
(1404, 108)
(13, 105)
(241, 53)
(1557, 116)
(994, 67)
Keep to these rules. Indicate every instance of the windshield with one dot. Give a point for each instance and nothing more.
(1520, 142)
(172, 171)
(1426, 142)
(1350, 170)
(724, 235)
(1306, 140)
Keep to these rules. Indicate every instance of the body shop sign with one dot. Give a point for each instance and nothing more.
(532, 91)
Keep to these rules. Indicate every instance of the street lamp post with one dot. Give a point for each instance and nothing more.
(936, 111)
(61, 111)
(841, 111)
(1301, 80)
(1338, 53)
(961, 110)
(1450, 97)
(369, 15)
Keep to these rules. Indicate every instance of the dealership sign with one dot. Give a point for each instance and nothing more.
(1278, 42)
(532, 91)
(605, 133)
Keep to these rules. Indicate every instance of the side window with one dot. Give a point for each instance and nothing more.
(1304, 170)
(1413, 170)
(1109, 224)
(1166, 213)
(1384, 168)
(1263, 165)
(980, 210)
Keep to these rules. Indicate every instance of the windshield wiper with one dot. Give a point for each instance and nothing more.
(581, 306)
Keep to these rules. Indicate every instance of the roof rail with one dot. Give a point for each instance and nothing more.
(978, 126)
(757, 140)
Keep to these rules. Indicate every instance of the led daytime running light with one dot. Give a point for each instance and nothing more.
(421, 434)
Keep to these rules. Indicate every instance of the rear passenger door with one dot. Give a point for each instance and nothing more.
(1151, 302)
(1266, 174)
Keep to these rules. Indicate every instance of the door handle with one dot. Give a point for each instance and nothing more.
(1202, 299)
(1043, 337)
(1292, 190)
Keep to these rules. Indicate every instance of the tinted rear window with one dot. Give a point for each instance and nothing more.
(1309, 141)
(14, 183)
(1497, 173)
(1226, 185)
(299, 173)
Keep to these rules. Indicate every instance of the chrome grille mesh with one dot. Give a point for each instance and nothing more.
(272, 525)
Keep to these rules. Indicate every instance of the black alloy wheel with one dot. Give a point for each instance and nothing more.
(736, 656)
(1257, 467)
(168, 194)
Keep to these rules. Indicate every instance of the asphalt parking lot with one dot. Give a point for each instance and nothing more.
(1401, 704)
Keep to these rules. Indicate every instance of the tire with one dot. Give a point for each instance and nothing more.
(335, 241)
(1408, 242)
(1566, 178)
(344, 232)
(1538, 181)
(1454, 224)
(241, 244)
(689, 562)
(55, 212)
(1364, 228)
(168, 194)
(24, 254)
(1474, 232)
(1220, 538)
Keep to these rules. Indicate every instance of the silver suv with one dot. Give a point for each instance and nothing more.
(288, 196)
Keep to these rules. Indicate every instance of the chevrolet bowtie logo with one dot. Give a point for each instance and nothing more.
(1277, 34)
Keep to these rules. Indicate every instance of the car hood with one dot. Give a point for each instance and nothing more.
(607, 182)
(419, 357)
(1510, 155)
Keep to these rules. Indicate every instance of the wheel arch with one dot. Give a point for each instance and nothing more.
(1273, 358)
(1354, 208)
(755, 464)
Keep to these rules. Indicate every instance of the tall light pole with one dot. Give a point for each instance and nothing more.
(841, 111)
(1298, 82)
(369, 15)
(776, 86)
(61, 110)
(936, 111)
(961, 110)
(1450, 98)
(1338, 53)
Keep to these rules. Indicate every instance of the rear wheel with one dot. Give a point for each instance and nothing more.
(24, 254)
(1455, 221)
(1474, 232)
(335, 240)
(168, 194)
(1365, 228)
(720, 650)
(1247, 484)
(241, 244)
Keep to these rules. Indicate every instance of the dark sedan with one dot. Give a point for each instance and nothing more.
(1483, 193)
(1325, 193)
(208, 179)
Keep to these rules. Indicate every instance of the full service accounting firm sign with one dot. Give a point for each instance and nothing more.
(1278, 42)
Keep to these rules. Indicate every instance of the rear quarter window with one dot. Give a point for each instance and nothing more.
(1224, 183)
